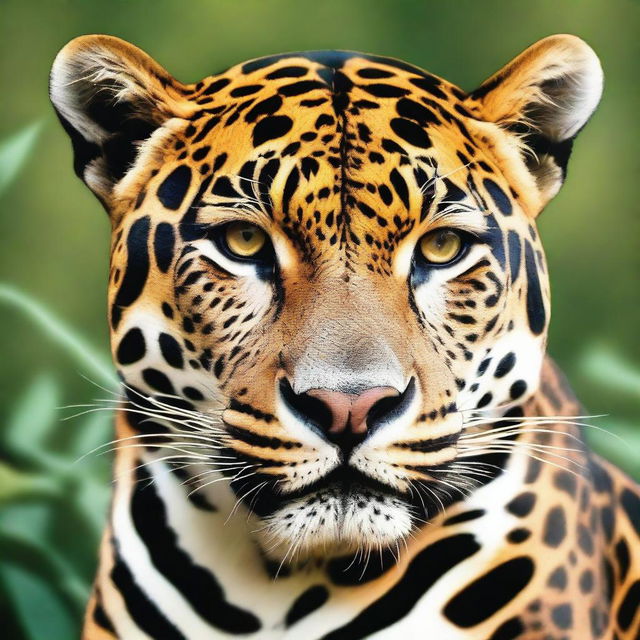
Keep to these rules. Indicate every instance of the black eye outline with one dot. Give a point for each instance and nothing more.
(467, 241)
(265, 257)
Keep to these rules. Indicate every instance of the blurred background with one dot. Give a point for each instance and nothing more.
(55, 240)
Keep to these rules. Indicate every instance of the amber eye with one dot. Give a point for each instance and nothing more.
(244, 240)
(441, 246)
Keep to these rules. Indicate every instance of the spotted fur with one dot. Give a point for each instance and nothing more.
(471, 507)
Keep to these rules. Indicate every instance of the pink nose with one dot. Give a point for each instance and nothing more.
(351, 410)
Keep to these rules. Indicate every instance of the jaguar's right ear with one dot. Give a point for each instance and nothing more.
(110, 97)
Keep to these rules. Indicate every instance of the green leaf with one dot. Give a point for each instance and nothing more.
(621, 450)
(96, 429)
(610, 370)
(27, 521)
(93, 502)
(14, 151)
(37, 605)
(15, 484)
(96, 363)
(34, 416)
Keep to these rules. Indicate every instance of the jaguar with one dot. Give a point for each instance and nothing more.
(329, 306)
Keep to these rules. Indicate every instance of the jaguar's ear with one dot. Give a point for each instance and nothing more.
(110, 97)
(544, 96)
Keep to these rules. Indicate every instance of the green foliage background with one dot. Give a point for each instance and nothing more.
(55, 238)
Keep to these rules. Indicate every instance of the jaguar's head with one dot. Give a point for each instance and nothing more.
(332, 258)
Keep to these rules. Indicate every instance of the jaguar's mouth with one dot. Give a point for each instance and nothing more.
(344, 512)
(346, 481)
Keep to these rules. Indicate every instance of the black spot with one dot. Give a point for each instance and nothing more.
(631, 504)
(630, 606)
(198, 585)
(270, 128)
(482, 368)
(312, 599)
(163, 246)
(174, 187)
(385, 90)
(309, 167)
(498, 196)
(400, 186)
(489, 593)
(518, 535)
(566, 482)
(385, 194)
(607, 520)
(131, 347)
(535, 305)
(465, 516)
(424, 570)
(515, 254)
(287, 72)
(505, 365)
(623, 559)
(247, 90)
(411, 132)
(509, 630)
(601, 479)
(215, 86)
(171, 350)
(167, 310)
(517, 389)
(430, 84)
(372, 72)
(562, 616)
(585, 541)
(192, 393)
(218, 367)
(522, 504)
(290, 187)
(555, 527)
(485, 400)
(137, 270)
(558, 579)
(415, 111)
(265, 107)
(296, 88)
(586, 581)
(157, 380)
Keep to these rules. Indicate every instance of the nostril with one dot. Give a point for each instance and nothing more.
(382, 409)
(386, 409)
(308, 408)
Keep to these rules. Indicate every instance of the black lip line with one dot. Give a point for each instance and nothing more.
(346, 477)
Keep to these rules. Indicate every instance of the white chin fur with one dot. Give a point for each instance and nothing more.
(330, 522)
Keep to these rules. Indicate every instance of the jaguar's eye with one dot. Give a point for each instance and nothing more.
(441, 246)
(244, 240)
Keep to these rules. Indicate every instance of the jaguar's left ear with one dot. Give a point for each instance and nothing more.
(110, 97)
(544, 96)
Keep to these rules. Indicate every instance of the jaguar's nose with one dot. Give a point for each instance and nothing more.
(350, 411)
(346, 418)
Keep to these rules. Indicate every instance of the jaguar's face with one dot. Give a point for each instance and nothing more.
(334, 258)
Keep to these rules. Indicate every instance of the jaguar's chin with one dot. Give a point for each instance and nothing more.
(345, 515)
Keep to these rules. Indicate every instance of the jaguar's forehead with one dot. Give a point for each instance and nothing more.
(320, 139)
